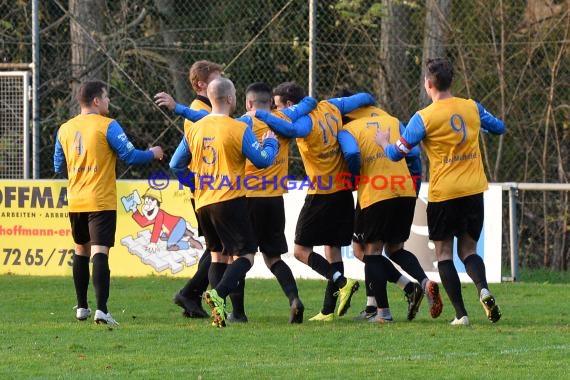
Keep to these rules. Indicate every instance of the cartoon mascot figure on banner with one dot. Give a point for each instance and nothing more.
(165, 226)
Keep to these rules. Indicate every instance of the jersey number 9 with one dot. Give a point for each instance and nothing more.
(458, 126)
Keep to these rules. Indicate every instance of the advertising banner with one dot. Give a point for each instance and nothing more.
(157, 232)
(488, 247)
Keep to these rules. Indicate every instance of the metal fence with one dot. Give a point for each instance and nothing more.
(511, 55)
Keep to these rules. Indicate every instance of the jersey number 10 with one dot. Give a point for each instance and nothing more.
(332, 124)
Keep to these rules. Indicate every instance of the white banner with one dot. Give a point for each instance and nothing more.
(488, 247)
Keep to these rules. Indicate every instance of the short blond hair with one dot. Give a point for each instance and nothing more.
(200, 71)
(219, 89)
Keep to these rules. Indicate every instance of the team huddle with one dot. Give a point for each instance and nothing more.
(343, 143)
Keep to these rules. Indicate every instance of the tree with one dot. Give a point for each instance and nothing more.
(435, 35)
(395, 58)
(86, 27)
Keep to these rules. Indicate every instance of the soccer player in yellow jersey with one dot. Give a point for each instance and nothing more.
(217, 147)
(384, 215)
(88, 145)
(265, 189)
(327, 215)
(449, 129)
(181, 156)
(200, 75)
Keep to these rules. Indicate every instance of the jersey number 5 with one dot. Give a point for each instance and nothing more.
(209, 154)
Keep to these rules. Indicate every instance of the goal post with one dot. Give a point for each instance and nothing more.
(15, 145)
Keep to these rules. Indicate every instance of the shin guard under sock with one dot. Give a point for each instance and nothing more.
(320, 265)
(215, 273)
(233, 274)
(101, 280)
(237, 296)
(285, 277)
(199, 283)
(81, 279)
(375, 269)
(475, 268)
(452, 286)
(331, 291)
(409, 262)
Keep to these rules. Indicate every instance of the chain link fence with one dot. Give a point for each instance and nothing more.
(511, 55)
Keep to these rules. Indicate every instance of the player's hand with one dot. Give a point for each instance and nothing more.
(162, 99)
(250, 113)
(383, 138)
(268, 135)
(157, 152)
(152, 247)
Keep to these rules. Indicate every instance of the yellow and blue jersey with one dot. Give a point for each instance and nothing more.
(201, 103)
(273, 181)
(380, 178)
(366, 111)
(216, 148)
(319, 149)
(89, 145)
(449, 129)
(192, 115)
(267, 182)
(316, 135)
(413, 161)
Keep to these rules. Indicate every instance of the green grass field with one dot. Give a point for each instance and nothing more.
(40, 338)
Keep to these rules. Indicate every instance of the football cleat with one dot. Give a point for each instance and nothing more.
(233, 318)
(366, 315)
(81, 313)
(217, 306)
(192, 308)
(491, 308)
(104, 318)
(414, 299)
(323, 317)
(297, 310)
(463, 321)
(345, 294)
(380, 320)
(434, 299)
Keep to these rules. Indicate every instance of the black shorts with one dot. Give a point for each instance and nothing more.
(326, 219)
(227, 228)
(267, 215)
(388, 221)
(97, 227)
(455, 217)
(193, 202)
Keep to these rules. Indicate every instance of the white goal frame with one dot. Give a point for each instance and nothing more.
(16, 112)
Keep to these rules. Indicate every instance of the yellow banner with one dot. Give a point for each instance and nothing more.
(156, 230)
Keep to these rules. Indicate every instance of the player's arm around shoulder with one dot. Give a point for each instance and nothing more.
(413, 133)
(306, 105)
(277, 124)
(261, 155)
(348, 104)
